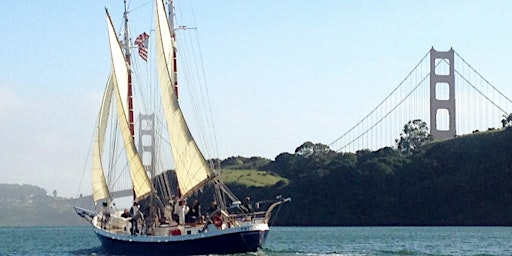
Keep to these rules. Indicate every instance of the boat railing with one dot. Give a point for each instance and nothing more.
(247, 217)
(260, 215)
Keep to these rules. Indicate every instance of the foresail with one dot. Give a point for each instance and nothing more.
(191, 168)
(141, 183)
(99, 184)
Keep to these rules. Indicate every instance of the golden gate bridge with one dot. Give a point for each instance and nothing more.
(444, 91)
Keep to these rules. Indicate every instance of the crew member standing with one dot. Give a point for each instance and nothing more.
(135, 213)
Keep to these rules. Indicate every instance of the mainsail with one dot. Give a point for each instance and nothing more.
(191, 167)
(141, 183)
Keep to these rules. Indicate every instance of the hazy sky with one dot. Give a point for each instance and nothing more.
(279, 72)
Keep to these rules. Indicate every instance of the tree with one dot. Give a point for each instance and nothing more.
(414, 135)
(309, 148)
(507, 121)
(54, 193)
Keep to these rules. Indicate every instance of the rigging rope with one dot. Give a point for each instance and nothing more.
(380, 104)
(476, 72)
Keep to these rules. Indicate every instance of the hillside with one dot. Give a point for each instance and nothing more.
(251, 178)
(27, 205)
(462, 181)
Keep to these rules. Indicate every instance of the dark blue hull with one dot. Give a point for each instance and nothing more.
(229, 243)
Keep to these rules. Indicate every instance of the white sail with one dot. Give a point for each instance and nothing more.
(191, 168)
(141, 183)
(99, 185)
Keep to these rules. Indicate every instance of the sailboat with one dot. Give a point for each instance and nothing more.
(156, 223)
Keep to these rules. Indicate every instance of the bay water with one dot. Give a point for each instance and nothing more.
(307, 241)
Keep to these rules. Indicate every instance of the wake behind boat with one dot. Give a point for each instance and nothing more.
(160, 221)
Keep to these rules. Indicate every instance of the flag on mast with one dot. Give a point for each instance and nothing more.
(142, 43)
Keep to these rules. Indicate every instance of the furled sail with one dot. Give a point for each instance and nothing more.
(141, 183)
(99, 184)
(191, 168)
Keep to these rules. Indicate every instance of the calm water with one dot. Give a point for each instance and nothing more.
(308, 241)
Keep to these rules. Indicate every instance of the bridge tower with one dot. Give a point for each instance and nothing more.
(147, 142)
(442, 94)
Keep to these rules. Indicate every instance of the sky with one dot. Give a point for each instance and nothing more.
(280, 73)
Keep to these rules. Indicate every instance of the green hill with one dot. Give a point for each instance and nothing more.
(251, 178)
(27, 205)
(461, 181)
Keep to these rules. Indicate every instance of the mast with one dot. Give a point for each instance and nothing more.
(173, 38)
(128, 59)
(128, 56)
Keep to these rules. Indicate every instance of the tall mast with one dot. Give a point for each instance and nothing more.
(128, 56)
(173, 37)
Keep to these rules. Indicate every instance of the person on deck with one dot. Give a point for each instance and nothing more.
(175, 203)
(194, 213)
(212, 208)
(135, 214)
(105, 215)
(126, 214)
(182, 211)
(247, 206)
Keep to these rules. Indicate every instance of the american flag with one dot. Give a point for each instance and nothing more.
(142, 43)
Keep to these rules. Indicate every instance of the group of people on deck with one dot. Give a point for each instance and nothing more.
(134, 214)
(181, 212)
(185, 214)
